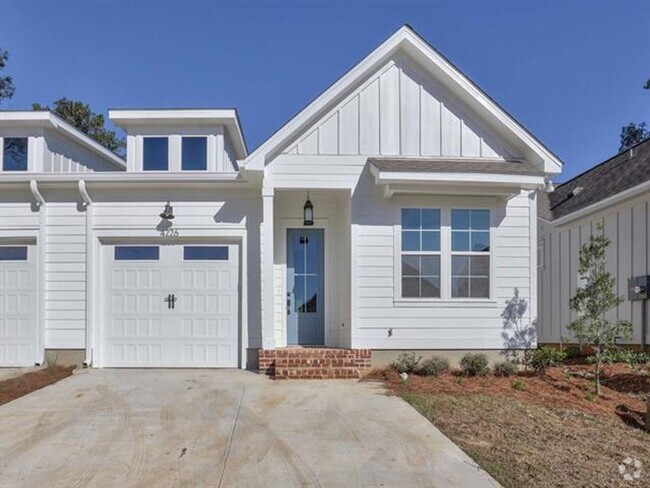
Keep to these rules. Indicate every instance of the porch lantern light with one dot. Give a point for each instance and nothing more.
(308, 212)
(168, 213)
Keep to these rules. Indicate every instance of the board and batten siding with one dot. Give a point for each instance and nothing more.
(626, 225)
(399, 111)
(62, 155)
(385, 322)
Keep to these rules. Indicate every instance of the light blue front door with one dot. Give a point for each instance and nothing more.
(305, 290)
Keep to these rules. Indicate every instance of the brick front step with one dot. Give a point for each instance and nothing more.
(314, 363)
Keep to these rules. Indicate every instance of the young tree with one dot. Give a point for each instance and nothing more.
(519, 335)
(83, 118)
(592, 300)
(7, 87)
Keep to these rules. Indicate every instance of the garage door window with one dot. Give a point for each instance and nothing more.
(137, 253)
(205, 253)
(13, 253)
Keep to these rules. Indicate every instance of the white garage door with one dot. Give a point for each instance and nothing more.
(18, 305)
(171, 306)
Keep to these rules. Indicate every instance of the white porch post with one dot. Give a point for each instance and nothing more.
(267, 253)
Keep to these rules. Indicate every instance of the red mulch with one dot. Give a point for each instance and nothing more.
(623, 396)
(22, 385)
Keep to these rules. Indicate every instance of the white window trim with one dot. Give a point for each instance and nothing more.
(445, 299)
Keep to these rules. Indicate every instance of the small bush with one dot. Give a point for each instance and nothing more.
(406, 362)
(505, 369)
(474, 364)
(518, 385)
(433, 366)
(590, 396)
(573, 351)
(545, 357)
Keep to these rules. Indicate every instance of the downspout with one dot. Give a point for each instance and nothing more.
(87, 202)
(33, 186)
(40, 292)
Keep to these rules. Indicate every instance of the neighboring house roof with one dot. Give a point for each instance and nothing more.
(228, 117)
(407, 40)
(47, 119)
(428, 165)
(626, 170)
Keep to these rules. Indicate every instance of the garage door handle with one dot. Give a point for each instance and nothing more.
(171, 301)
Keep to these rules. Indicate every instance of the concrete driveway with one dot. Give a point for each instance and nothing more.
(222, 428)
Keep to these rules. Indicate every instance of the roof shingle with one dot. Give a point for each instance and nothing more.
(426, 165)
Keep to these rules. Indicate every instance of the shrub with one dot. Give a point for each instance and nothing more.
(518, 385)
(406, 362)
(433, 366)
(573, 351)
(474, 364)
(545, 357)
(505, 369)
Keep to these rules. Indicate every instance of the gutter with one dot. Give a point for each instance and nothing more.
(121, 177)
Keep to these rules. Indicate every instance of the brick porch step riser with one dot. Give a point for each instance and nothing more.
(321, 363)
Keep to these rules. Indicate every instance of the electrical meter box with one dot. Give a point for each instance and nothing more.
(637, 287)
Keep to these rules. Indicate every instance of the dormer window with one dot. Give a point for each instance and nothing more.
(155, 154)
(194, 154)
(14, 154)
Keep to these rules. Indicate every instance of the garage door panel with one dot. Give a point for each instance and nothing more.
(18, 332)
(200, 327)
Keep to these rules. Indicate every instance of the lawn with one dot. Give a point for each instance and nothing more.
(540, 431)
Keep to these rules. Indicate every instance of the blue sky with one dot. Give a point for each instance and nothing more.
(570, 71)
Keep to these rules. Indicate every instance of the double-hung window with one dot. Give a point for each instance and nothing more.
(194, 155)
(470, 253)
(155, 154)
(14, 154)
(420, 253)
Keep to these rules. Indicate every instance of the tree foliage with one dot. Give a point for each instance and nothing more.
(7, 87)
(81, 116)
(591, 302)
(632, 134)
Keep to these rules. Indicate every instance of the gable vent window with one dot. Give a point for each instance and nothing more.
(155, 154)
(194, 154)
(14, 154)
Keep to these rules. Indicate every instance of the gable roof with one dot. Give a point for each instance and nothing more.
(48, 119)
(407, 40)
(620, 173)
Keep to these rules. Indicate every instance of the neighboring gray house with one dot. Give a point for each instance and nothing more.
(616, 194)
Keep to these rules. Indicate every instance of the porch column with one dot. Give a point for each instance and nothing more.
(267, 255)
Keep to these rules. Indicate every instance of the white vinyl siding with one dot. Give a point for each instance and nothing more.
(626, 225)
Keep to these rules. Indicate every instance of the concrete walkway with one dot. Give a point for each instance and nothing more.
(231, 428)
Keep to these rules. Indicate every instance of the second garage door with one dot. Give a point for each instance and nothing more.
(171, 306)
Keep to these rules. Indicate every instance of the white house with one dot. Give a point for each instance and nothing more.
(423, 192)
(614, 196)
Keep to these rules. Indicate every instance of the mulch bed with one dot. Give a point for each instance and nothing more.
(550, 432)
(24, 384)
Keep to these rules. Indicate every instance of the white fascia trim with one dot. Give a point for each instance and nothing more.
(154, 117)
(50, 120)
(595, 207)
(112, 177)
(403, 37)
(480, 179)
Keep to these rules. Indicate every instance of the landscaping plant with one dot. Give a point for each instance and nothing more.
(433, 366)
(474, 364)
(519, 333)
(546, 357)
(406, 362)
(591, 302)
(505, 369)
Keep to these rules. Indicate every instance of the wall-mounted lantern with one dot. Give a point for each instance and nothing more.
(308, 212)
(168, 213)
